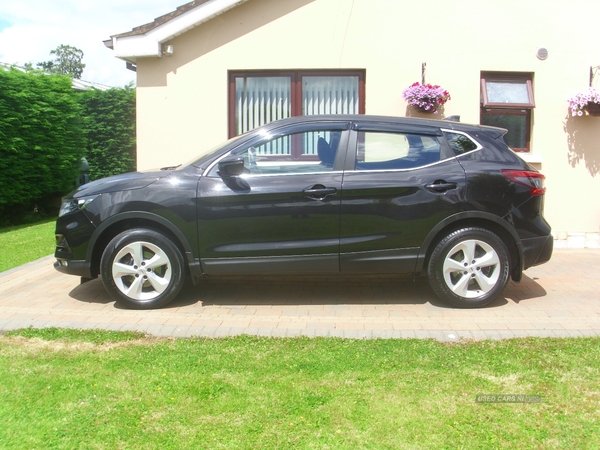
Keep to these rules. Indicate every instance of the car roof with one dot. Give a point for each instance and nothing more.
(388, 120)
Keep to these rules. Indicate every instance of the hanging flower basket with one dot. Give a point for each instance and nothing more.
(427, 109)
(593, 109)
(425, 98)
(585, 101)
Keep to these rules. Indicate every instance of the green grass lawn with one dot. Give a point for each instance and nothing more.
(26, 243)
(106, 390)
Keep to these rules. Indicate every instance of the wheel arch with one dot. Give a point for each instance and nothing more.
(475, 219)
(125, 221)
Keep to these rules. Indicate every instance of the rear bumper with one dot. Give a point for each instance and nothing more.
(74, 267)
(537, 250)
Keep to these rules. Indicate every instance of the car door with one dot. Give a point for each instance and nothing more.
(400, 182)
(282, 215)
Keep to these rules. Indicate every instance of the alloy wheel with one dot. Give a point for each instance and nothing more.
(141, 270)
(471, 268)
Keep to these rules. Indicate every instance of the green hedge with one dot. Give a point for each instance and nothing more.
(41, 138)
(109, 127)
(46, 127)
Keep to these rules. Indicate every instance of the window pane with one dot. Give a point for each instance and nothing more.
(460, 143)
(313, 142)
(516, 124)
(388, 151)
(507, 92)
(279, 146)
(275, 156)
(260, 100)
(329, 95)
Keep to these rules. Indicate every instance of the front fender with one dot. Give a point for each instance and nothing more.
(146, 219)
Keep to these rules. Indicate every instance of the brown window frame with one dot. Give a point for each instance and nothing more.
(516, 112)
(521, 109)
(296, 87)
(507, 78)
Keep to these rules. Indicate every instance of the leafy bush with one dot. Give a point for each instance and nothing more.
(41, 139)
(109, 126)
(46, 127)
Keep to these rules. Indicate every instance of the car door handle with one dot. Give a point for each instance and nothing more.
(440, 186)
(319, 191)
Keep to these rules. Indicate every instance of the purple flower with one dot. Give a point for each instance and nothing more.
(426, 96)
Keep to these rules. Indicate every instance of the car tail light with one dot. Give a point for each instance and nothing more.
(533, 180)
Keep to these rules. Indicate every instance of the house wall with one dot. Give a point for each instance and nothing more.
(182, 99)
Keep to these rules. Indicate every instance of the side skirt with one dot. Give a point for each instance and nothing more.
(380, 261)
(292, 265)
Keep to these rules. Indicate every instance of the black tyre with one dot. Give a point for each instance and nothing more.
(142, 269)
(469, 268)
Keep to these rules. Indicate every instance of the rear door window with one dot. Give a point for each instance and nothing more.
(392, 151)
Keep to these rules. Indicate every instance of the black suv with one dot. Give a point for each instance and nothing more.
(317, 195)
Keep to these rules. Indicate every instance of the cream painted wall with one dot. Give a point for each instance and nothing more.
(182, 99)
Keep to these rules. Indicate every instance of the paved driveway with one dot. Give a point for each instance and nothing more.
(560, 298)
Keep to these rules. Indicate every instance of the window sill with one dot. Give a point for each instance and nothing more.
(531, 157)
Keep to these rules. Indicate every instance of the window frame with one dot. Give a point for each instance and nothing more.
(506, 78)
(360, 139)
(520, 109)
(334, 126)
(296, 87)
(515, 112)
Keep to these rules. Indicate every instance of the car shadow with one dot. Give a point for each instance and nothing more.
(528, 288)
(91, 292)
(277, 291)
(295, 291)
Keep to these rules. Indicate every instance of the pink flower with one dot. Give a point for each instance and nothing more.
(426, 96)
(579, 101)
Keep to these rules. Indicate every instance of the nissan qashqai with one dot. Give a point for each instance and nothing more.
(317, 195)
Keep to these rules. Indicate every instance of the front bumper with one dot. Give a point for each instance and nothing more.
(73, 233)
(74, 267)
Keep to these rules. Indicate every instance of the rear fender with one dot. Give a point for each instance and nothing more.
(474, 218)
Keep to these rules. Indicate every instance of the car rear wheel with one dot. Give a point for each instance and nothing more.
(142, 269)
(469, 267)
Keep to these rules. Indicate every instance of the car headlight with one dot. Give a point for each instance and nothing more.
(75, 204)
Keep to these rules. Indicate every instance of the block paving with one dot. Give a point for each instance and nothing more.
(557, 299)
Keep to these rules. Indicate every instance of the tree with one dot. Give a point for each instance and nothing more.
(67, 61)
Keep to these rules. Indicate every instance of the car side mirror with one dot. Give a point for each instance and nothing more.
(232, 166)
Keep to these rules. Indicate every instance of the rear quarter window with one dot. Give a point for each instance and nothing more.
(460, 143)
(487, 148)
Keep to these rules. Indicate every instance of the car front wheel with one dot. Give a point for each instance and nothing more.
(142, 269)
(469, 267)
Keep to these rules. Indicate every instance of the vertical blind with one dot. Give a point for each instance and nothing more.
(263, 99)
(260, 100)
(329, 95)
